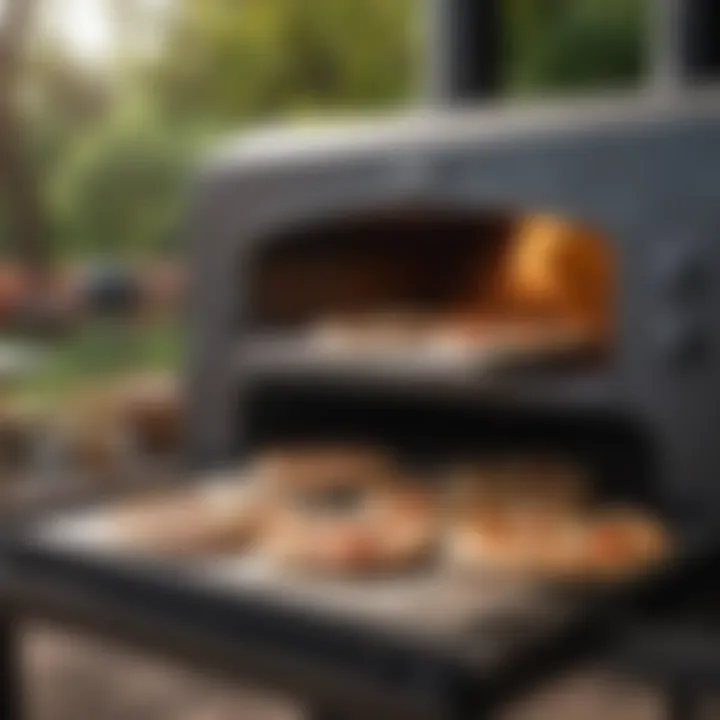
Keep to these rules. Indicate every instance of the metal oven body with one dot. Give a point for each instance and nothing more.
(643, 170)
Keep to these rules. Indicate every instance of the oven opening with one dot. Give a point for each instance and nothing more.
(613, 456)
(490, 288)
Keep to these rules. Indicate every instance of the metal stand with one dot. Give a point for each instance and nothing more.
(683, 704)
(11, 681)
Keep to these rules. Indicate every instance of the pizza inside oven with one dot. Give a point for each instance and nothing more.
(438, 287)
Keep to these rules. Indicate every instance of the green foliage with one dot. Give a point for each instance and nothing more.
(120, 192)
(574, 44)
(229, 61)
(232, 61)
(103, 352)
(113, 151)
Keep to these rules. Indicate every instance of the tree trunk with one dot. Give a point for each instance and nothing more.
(20, 195)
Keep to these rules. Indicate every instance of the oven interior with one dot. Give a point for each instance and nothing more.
(492, 267)
(614, 451)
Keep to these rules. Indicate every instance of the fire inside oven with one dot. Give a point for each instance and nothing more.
(487, 287)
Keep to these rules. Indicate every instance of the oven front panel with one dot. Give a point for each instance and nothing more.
(652, 191)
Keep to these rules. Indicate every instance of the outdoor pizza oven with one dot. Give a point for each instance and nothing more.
(448, 213)
(422, 211)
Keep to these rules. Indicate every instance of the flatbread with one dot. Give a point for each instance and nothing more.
(211, 518)
(386, 530)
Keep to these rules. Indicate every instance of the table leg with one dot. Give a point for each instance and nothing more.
(10, 671)
(683, 704)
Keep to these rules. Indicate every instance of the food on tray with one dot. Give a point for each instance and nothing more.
(213, 517)
(576, 548)
(152, 410)
(349, 532)
(349, 510)
(346, 511)
(534, 517)
(293, 469)
(518, 513)
(521, 540)
(542, 484)
(624, 540)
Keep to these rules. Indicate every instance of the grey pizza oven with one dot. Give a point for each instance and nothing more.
(287, 224)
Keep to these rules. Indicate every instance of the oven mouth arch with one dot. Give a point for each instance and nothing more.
(434, 245)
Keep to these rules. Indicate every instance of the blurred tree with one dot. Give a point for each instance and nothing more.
(227, 61)
(23, 209)
(112, 176)
(63, 101)
(119, 194)
(138, 29)
(231, 61)
(574, 44)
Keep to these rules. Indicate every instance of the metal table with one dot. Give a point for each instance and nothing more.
(346, 652)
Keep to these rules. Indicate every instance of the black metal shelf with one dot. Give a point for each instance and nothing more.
(572, 387)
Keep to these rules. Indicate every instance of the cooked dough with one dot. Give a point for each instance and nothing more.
(344, 510)
(533, 515)
(608, 546)
(208, 519)
(372, 531)
(624, 540)
(291, 469)
(540, 483)
(524, 541)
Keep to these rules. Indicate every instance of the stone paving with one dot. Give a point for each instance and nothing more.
(70, 677)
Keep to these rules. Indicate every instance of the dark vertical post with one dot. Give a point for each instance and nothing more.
(683, 704)
(465, 48)
(685, 38)
(11, 691)
(700, 38)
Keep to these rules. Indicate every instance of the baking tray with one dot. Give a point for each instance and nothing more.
(417, 646)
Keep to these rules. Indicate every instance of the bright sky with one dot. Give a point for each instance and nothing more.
(84, 25)
(87, 26)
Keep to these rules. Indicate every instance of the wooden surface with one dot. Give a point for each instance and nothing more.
(73, 678)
